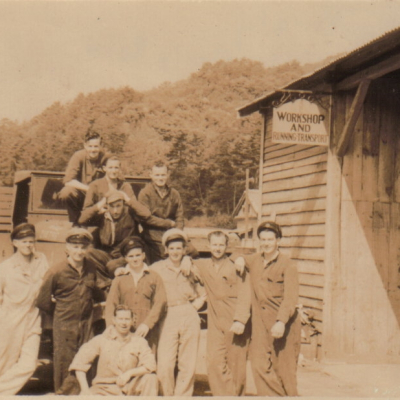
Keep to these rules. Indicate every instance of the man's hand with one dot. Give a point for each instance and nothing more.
(240, 265)
(173, 223)
(102, 206)
(124, 378)
(142, 330)
(237, 328)
(278, 330)
(121, 271)
(198, 303)
(186, 265)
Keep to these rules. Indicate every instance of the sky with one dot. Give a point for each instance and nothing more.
(53, 50)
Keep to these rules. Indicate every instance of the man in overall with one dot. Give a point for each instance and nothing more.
(21, 276)
(276, 325)
(83, 168)
(228, 305)
(126, 364)
(180, 330)
(68, 292)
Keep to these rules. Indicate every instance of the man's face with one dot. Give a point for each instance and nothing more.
(218, 246)
(123, 321)
(25, 246)
(92, 148)
(268, 242)
(176, 251)
(135, 258)
(112, 169)
(115, 209)
(77, 251)
(159, 176)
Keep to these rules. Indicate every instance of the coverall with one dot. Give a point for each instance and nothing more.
(74, 295)
(147, 300)
(275, 289)
(20, 320)
(116, 356)
(228, 300)
(180, 331)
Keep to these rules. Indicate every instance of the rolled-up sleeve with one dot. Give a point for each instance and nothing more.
(146, 357)
(88, 352)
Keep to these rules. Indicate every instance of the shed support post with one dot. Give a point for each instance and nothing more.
(351, 121)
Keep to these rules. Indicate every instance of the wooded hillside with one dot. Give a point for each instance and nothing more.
(192, 123)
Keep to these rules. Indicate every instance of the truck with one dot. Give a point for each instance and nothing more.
(33, 199)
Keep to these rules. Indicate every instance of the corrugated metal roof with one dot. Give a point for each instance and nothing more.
(337, 69)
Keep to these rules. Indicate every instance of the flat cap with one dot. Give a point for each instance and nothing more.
(79, 236)
(114, 195)
(270, 226)
(22, 231)
(172, 235)
(133, 242)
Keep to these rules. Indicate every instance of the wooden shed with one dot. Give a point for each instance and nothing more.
(339, 205)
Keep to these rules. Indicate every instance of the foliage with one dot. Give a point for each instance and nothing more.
(191, 123)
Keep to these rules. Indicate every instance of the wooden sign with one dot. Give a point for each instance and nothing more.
(301, 122)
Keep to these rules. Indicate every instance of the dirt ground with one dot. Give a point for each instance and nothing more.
(314, 380)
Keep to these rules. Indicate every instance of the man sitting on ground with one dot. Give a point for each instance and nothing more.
(126, 365)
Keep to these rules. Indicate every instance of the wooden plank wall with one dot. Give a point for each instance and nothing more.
(294, 189)
(6, 201)
(367, 327)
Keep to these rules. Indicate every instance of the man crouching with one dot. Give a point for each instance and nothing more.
(126, 363)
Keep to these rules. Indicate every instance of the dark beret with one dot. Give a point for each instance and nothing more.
(134, 242)
(22, 231)
(270, 226)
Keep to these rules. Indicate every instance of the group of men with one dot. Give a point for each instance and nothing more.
(141, 263)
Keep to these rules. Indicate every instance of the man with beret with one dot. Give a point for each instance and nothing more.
(117, 217)
(276, 326)
(110, 182)
(126, 364)
(83, 168)
(68, 293)
(141, 289)
(20, 279)
(180, 330)
(228, 330)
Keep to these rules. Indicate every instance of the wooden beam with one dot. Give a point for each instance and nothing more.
(351, 121)
(374, 72)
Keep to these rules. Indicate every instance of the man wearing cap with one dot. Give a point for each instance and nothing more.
(83, 168)
(110, 182)
(228, 330)
(141, 289)
(276, 326)
(126, 364)
(117, 217)
(68, 292)
(180, 330)
(20, 279)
